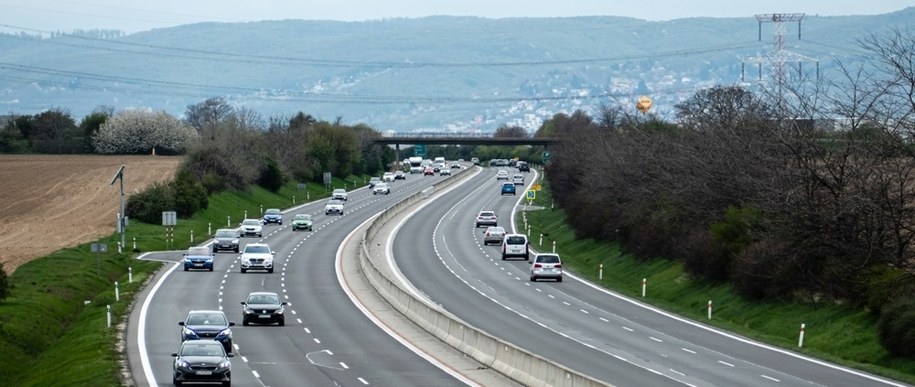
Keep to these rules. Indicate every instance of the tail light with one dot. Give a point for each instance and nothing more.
(558, 266)
(538, 266)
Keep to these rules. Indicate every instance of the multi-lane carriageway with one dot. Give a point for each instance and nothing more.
(328, 341)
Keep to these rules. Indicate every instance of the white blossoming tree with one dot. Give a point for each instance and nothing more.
(142, 132)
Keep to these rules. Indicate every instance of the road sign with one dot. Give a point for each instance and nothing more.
(98, 247)
(327, 179)
(546, 157)
(419, 150)
(169, 218)
(531, 195)
(535, 187)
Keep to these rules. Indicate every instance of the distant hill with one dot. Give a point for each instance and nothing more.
(456, 73)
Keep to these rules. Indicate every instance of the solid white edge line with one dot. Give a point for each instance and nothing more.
(141, 326)
(381, 325)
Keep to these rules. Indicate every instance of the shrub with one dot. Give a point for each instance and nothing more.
(147, 206)
(896, 328)
(271, 177)
(190, 195)
(4, 283)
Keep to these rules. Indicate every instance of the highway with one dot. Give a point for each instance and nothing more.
(327, 341)
(607, 336)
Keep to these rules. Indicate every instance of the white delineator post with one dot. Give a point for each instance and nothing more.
(554, 247)
(228, 221)
(210, 227)
(709, 309)
(541, 240)
(109, 316)
(130, 274)
(600, 272)
(800, 340)
(644, 285)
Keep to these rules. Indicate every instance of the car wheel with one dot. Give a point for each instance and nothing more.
(559, 279)
(503, 257)
(533, 279)
(282, 323)
(244, 270)
(281, 223)
(236, 249)
(215, 250)
(175, 380)
(260, 235)
(211, 269)
(227, 383)
(270, 270)
(477, 225)
(185, 268)
(527, 257)
(244, 322)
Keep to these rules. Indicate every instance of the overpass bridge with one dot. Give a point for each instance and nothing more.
(439, 138)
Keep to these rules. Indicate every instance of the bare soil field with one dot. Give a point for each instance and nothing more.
(51, 202)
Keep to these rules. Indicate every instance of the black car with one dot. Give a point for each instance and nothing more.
(225, 239)
(523, 166)
(207, 325)
(201, 361)
(263, 308)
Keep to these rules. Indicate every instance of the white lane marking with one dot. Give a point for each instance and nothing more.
(656, 339)
(244, 359)
(363, 381)
(256, 375)
(726, 363)
(688, 350)
(342, 364)
(584, 311)
(349, 292)
(317, 341)
(603, 319)
(629, 329)
(771, 378)
(141, 327)
(566, 303)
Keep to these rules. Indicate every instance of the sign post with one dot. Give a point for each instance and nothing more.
(327, 179)
(169, 220)
(531, 195)
(98, 248)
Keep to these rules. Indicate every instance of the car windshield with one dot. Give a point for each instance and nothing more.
(508, 185)
(515, 240)
(272, 211)
(335, 202)
(375, 179)
(257, 249)
(381, 185)
(496, 230)
(202, 349)
(548, 259)
(339, 191)
(303, 217)
(206, 319)
(264, 299)
(487, 213)
(225, 234)
(198, 251)
(251, 222)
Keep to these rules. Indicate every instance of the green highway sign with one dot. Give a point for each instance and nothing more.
(546, 157)
(419, 150)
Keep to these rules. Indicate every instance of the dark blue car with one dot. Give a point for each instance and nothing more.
(508, 188)
(207, 325)
(198, 258)
(273, 215)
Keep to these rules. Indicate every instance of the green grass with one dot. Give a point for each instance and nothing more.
(833, 332)
(50, 336)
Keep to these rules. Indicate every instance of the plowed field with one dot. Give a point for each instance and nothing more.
(51, 202)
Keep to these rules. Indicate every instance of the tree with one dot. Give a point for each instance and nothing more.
(506, 131)
(4, 283)
(54, 131)
(206, 115)
(90, 125)
(722, 107)
(143, 132)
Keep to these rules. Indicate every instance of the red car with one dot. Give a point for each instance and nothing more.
(429, 171)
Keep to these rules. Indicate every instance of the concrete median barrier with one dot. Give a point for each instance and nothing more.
(522, 366)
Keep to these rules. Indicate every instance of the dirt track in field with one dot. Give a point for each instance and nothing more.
(51, 202)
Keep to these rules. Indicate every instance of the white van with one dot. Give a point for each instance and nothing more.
(515, 245)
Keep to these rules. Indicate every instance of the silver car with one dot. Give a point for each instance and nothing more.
(546, 266)
(493, 235)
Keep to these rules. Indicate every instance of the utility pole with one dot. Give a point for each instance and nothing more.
(119, 175)
(779, 56)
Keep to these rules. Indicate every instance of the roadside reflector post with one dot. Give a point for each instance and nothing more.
(117, 292)
(644, 286)
(209, 228)
(541, 240)
(262, 209)
(108, 313)
(800, 340)
(600, 272)
(246, 214)
(528, 231)
(192, 236)
(119, 247)
(228, 221)
(130, 274)
(554, 247)
(134, 243)
(709, 309)
(307, 195)
(293, 199)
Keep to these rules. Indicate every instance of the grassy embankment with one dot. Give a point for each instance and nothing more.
(50, 336)
(837, 333)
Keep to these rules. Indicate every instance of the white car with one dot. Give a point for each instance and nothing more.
(257, 256)
(334, 207)
(252, 227)
(546, 266)
(388, 177)
(444, 172)
(381, 188)
(515, 245)
(502, 175)
(339, 194)
(518, 179)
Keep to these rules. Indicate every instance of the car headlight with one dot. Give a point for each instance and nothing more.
(183, 364)
(225, 332)
(189, 332)
(248, 310)
(235, 241)
(280, 310)
(225, 364)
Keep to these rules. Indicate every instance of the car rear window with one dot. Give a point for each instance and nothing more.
(548, 259)
(516, 240)
(487, 213)
(257, 249)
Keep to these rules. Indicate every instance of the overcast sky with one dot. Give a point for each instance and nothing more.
(135, 15)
